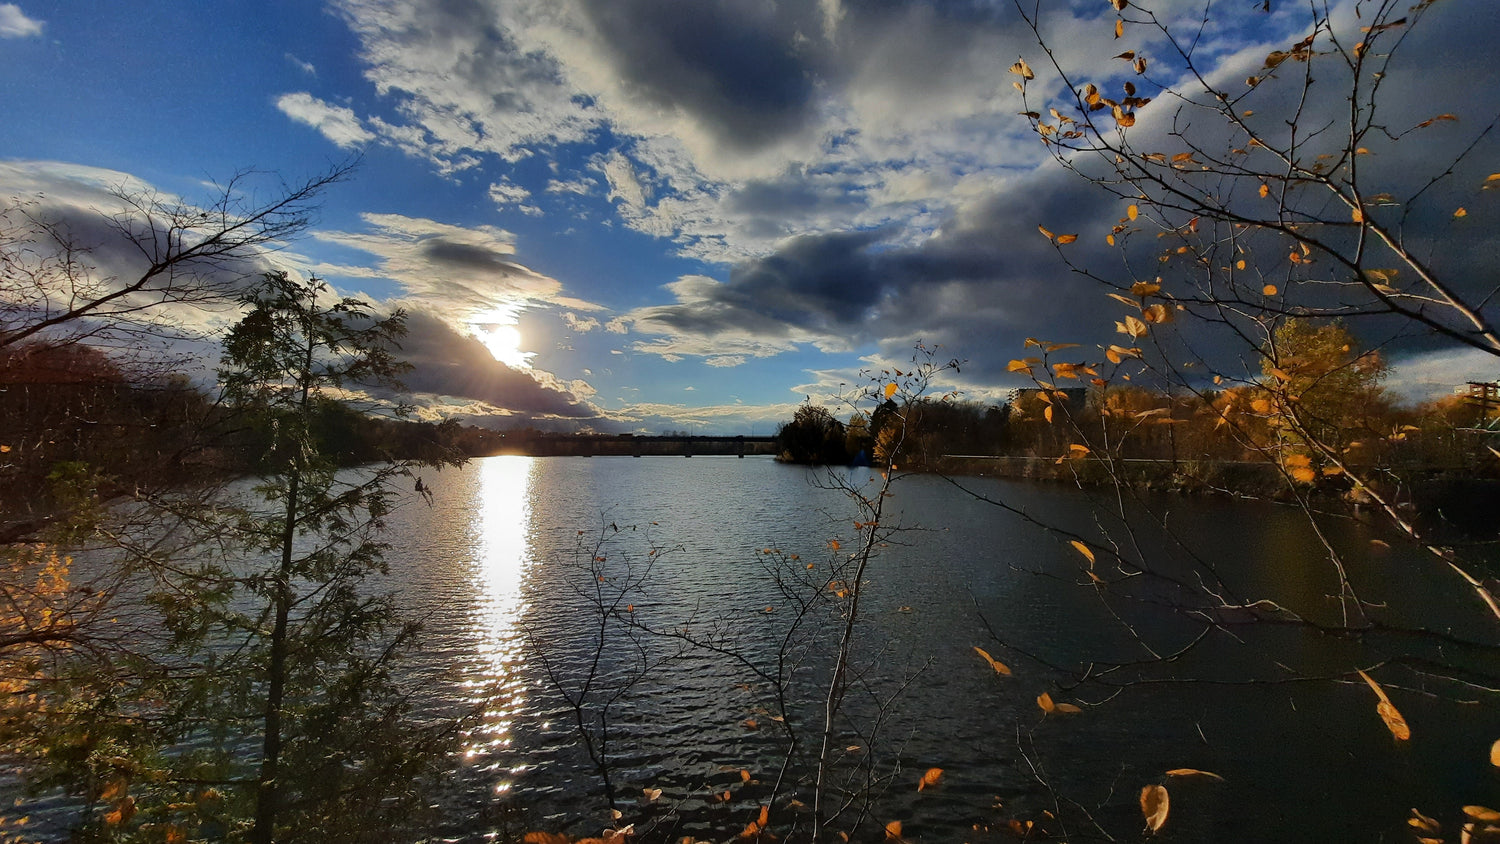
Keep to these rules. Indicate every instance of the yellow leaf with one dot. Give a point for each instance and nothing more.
(1461, 212)
(1265, 191)
(1119, 27)
(1132, 212)
(1110, 239)
(932, 777)
(893, 831)
(1047, 413)
(1240, 264)
(1044, 700)
(1483, 814)
(1423, 823)
(1387, 711)
(1158, 314)
(1078, 450)
(1281, 374)
(1268, 290)
(890, 389)
(1134, 327)
(4, 449)
(1144, 288)
(833, 544)
(1261, 406)
(1125, 120)
(1018, 366)
(1154, 806)
(1045, 233)
(1193, 772)
(1082, 549)
(1065, 239)
(1022, 69)
(1000, 667)
(1495, 754)
(1357, 214)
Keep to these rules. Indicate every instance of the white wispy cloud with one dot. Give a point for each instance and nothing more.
(15, 24)
(338, 124)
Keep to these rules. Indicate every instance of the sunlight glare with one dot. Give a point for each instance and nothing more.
(503, 524)
(504, 342)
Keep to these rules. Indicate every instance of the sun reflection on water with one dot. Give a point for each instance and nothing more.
(503, 524)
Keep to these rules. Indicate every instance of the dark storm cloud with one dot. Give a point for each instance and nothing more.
(735, 65)
(988, 279)
(469, 256)
(448, 364)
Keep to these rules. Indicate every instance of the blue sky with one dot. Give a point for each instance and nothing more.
(684, 215)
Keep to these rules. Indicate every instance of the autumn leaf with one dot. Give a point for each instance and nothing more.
(1065, 239)
(1002, 668)
(1047, 234)
(1083, 549)
(890, 389)
(1193, 772)
(893, 831)
(651, 794)
(1022, 69)
(546, 838)
(1483, 814)
(1495, 754)
(1134, 327)
(1078, 450)
(1119, 28)
(1144, 288)
(1268, 290)
(1132, 212)
(1388, 712)
(1154, 806)
(1044, 700)
(1461, 212)
(931, 778)
(1265, 190)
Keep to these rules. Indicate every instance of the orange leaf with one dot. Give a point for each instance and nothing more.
(893, 831)
(1065, 239)
(932, 777)
(1154, 806)
(1495, 754)
(1193, 772)
(1268, 290)
(1002, 668)
(890, 389)
(1044, 700)
(1045, 233)
(1082, 549)
(1265, 191)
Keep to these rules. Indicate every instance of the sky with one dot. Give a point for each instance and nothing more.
(649, 215)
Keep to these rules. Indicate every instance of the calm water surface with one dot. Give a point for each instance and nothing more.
(498, 568)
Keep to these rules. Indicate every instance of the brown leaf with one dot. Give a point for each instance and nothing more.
(1154, 806)
(1483, 814)
(1022, 69)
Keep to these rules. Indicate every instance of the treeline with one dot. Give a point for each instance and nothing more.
(1318, 410)
(71, 412)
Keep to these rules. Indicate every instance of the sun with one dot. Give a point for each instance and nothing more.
(504, 342)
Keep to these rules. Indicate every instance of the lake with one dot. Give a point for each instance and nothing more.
(503, 567)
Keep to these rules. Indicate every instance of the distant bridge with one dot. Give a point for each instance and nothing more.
(627, 445)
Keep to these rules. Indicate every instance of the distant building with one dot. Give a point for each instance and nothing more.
(1482, 394)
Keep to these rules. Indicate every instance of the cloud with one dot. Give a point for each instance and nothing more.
(507, 193)
(15, 24)
(305, 66)
(462, 272)
(582, 325)
(337, 123)
(447, 365)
